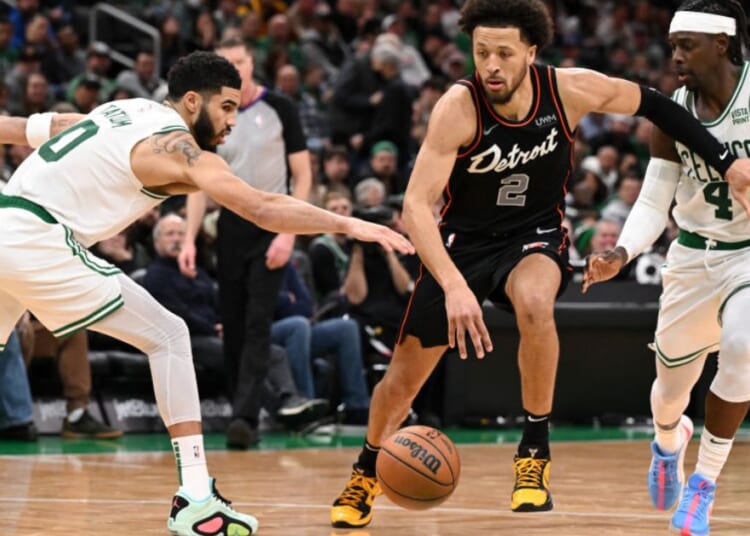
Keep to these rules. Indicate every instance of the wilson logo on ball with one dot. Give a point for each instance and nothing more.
(420, 453)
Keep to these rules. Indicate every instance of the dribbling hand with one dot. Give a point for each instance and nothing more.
(465, 314)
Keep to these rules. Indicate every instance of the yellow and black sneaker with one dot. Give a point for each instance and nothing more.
(531, 492)
(353, 508)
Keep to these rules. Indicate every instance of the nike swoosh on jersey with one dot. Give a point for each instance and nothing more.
(539, 230)
(490, 129)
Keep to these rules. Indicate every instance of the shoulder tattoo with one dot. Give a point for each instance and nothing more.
(176, 142)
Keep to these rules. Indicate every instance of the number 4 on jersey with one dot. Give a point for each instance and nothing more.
(717, 194)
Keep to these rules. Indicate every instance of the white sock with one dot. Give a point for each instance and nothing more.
(712, 455)
(191, 466)
(671, 440)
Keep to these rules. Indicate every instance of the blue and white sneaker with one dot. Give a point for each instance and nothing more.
(692, 515)
(666, 475)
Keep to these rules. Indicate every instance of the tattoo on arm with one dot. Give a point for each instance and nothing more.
(61, 122)
(176, 142)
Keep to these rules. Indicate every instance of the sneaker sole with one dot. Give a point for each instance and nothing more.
(347, 525)
(528, 507)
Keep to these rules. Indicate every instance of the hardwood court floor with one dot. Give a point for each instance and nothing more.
(598, 489)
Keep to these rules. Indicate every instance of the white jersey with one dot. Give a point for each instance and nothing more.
(704, 204)
(83, 176)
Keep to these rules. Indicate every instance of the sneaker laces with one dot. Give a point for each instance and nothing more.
(529, 472)
(358, 487)
(220, 497)
(703, 492)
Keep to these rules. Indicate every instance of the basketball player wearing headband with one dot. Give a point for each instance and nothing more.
(498, 148)
(706, 299)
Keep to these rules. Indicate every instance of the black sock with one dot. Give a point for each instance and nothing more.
(367, 458)
(535, 439)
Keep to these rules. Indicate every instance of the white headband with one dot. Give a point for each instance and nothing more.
(708, 23)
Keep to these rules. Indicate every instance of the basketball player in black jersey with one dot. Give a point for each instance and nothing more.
(498, 148)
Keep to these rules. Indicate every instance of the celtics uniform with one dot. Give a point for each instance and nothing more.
(73, 191)
(710, 260)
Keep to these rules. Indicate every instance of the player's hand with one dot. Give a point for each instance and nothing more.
(738, 177)
(372, 232)
(186, 259)
(603, 265)
(279, 251)
(465, 314)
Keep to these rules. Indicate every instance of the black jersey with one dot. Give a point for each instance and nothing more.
(513, 175)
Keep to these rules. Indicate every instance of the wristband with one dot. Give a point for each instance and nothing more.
(38, 128)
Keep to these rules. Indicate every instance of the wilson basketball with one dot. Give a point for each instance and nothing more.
(418, 467)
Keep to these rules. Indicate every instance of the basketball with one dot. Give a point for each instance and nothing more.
(418, 467)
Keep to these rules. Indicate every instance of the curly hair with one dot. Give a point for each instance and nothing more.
(203, 72)
(728, 8)
(531, 17)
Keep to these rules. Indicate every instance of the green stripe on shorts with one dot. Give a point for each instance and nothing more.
(93, 318)
(679, 361)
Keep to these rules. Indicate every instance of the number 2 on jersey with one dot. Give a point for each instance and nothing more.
(58, 146)
(717, 194)
(511, 193)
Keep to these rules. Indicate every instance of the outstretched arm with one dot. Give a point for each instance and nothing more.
(13, 130)
(584, 91)
(648, 217)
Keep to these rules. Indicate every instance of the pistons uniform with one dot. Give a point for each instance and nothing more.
(505, 199)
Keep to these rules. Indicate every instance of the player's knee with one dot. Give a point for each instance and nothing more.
(732, 380)
(534, 309)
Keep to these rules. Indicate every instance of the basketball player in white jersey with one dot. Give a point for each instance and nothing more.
(88, 182)
(706, 299)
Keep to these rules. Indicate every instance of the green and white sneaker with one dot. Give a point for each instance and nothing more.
(210, 517)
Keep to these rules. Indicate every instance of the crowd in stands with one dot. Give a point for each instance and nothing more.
(364, 75)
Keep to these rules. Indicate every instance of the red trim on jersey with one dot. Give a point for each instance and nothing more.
(529, 118)
(565, 193)
(558, 105)
(478, 133)
(408, 305)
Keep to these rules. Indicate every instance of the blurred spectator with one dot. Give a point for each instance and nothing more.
(587, 194)
(70, 57)
(322, 44)
(414, 70)
(98, 64)
(604, 164)
(195, 300)
(329, 253)
(336, 172)
(143, 80)
(121, 253)
(357, 91)
(36, 96)
(431, 90)
(383, 165)
(205, 33)
(8, 53)
(377, 288)
(314, 120)
(392, 115)
(369, 192)
(280, 36)
(172, 44)
(86, 94)
(28, 62)
(618, 207)
(305, 341)
(16, 410)
(72, 356)
(618, 132)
